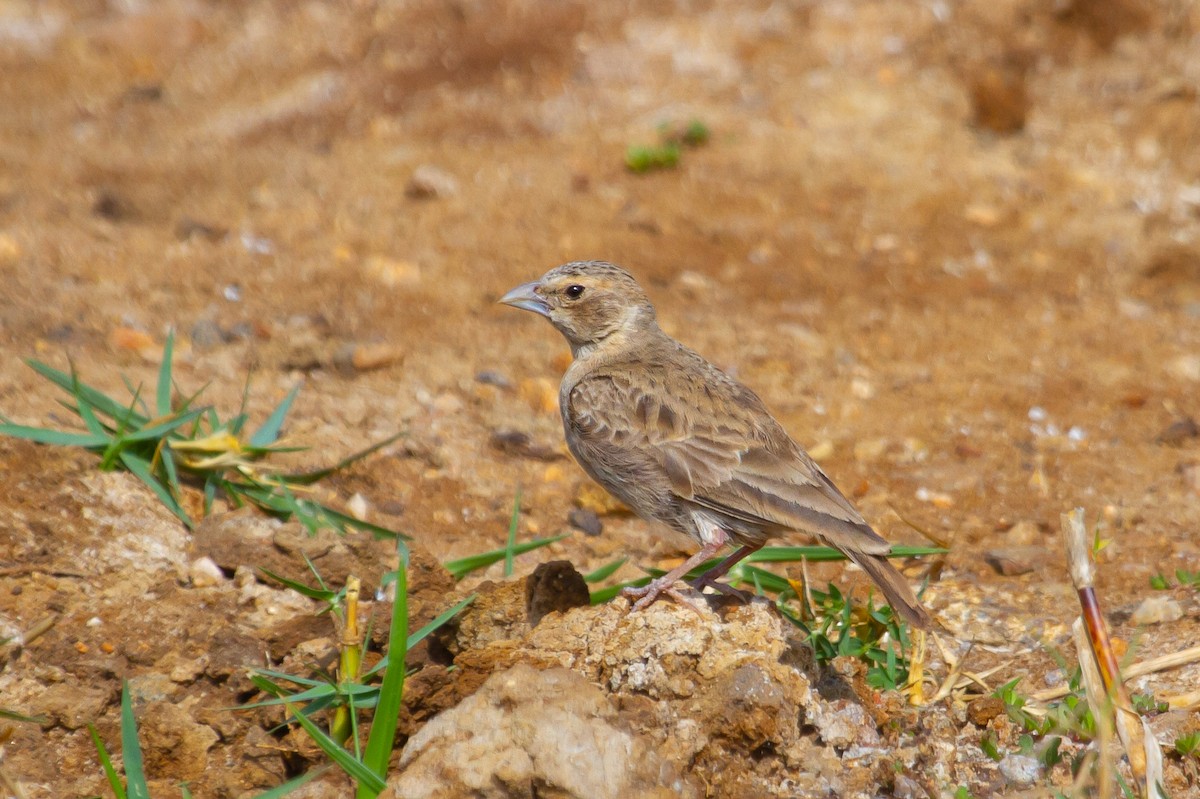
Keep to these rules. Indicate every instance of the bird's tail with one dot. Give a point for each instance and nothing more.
(895, 588)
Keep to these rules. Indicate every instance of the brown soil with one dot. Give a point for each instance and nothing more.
(955, 247)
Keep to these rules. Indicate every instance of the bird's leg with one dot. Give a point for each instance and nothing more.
(710, 577)
(647, 594)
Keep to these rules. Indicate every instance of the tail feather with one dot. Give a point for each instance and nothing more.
(895, 588)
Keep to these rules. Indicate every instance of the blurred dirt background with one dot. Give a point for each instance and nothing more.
(955, 247)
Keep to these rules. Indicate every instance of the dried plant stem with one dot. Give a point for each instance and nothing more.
(1140, 669)
(1106, 689)
(342, 725)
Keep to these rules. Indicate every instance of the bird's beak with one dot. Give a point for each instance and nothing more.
(526, 298)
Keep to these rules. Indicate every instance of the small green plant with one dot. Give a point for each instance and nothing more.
(990, 746)
(645, 159)
(131, 755)
(1187, 579)
(178, 442)
(666, 154)
(379, 690)
(1146, 704)
(963, 792)
(1188, 745)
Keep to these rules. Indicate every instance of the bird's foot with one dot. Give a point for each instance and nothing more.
(703, 581)
(648, 594)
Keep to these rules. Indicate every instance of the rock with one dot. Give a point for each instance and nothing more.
(206, 334)
(1012, 561)
(586, 520)
(982, 710)
(1020, 769)
(843, 723)
(551, 729)
(175, 746)
(554, 586)
(366, 357)
(999, 99)
(247, 537)
(131, 340)
(1156, 610)
(203, 572)
(392, 272)
(707, 689)
(521, 444)
(429, 182)
(490, 377)
(1022, 534)
(71, 705)
(1179, 431)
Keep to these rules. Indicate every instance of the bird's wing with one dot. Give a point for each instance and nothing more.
(719, 448)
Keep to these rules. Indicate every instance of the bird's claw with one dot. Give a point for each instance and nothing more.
(648, 594)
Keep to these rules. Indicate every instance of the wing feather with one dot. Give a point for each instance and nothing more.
(719, 449)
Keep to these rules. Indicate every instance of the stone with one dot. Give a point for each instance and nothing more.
(527, 727)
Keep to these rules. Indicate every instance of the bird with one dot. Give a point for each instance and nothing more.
(683, 443)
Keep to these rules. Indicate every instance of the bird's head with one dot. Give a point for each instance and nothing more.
(587, 301)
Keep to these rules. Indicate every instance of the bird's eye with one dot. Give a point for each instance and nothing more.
(574, 292)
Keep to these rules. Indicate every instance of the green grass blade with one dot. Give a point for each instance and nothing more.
(76, 387)
(110, 773)
(269, 432)
(349, 521)
(343, 759)
(512, 534)
(166, 427)
(12, 715)
(608, 594)
(138, 402)
(283, 790)
(441, 619)
(391, 693)
(131, 750)
(162, 396)
(761, 578)
(141, 468)
(817, 554)
(61, 438)
(423, 633)
(167, 458)
(463, 566)
(605, 571)
(307, 478)
(84, 410)
(320, 594)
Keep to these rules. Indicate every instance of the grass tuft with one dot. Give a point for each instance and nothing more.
(179, 443)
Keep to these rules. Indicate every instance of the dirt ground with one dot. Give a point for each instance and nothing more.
(954, 246)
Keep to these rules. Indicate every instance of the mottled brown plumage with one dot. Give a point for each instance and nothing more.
(683, 443)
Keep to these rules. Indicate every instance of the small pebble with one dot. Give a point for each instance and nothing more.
(1179, 431)
(206, 334)
(1012, 561)
(1157, 609)
(585, 520)
(358, 506)
(429, 182)
(392, 272)
(982, 710)
(204, 572)
(1020, 769)
(491, 378)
